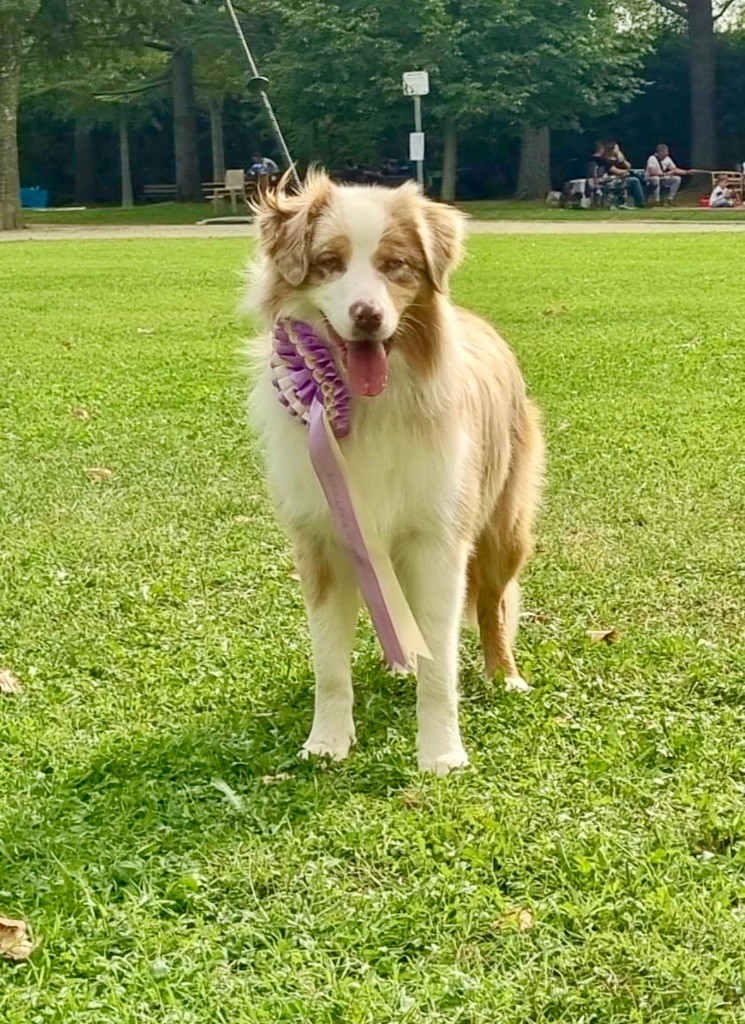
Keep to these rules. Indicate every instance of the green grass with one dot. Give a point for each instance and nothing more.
(142, 213)
(161, 642)
(510, 209)
(507, 209)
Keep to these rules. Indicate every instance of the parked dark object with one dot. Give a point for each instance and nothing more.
(34, 198)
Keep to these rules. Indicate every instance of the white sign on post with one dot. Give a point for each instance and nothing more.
(416, 83)
(416, 146)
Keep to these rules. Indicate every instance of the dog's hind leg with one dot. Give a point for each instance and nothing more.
(498, 610)
(501, 551)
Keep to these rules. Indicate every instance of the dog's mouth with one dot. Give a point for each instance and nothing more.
(365, 362)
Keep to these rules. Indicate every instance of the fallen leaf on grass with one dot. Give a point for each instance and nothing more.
(269, 780)
(412, 799)
(98, 474)
(80, 413)
(67, 343)
(607, 636)
(15, 942)
(242, 519)
(555, 310)
(9, 684)
(536, 616)
(146, 330)
(519, 918)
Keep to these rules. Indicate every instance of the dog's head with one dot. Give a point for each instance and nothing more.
(365, 261)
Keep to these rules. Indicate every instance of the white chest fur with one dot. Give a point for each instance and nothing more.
(404, 473)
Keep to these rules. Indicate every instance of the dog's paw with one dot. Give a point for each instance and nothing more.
(335, 748)
(443, 764)
(515, 684)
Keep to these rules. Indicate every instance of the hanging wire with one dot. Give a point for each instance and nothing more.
(259, 83)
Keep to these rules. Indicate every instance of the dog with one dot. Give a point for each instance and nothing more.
(445, 449)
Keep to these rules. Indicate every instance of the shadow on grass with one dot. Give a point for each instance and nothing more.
(222, 779)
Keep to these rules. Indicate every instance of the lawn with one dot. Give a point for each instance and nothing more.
(142, 213)
(507, 209)
(176, 860)
(487, 209)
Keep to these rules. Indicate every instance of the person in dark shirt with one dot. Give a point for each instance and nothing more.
(621, 167)
(612, 172)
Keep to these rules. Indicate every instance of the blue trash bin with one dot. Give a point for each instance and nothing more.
(34, 198)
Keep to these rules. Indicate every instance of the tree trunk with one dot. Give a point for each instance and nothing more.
(126, 173)
(218, 140)
(449, 164)
(85, 175)
(10, 73)
(188, 184)
(534, 174)
(703, 75)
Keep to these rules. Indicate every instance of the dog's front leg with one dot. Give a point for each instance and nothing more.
(433, 575)
(331, 603)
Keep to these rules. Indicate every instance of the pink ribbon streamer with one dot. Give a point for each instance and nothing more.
(397, 630)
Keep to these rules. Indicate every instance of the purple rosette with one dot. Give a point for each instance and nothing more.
(303, 370)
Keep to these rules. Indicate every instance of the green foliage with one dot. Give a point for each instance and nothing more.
(18, 10)
(89, 57)
(331, 72)
(337, 66)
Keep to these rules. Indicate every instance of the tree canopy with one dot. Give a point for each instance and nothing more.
(513, 69)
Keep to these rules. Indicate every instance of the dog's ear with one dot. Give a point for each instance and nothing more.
(286, 223)
(444, 228)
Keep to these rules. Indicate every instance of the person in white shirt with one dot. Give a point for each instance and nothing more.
(662, 171)
(720, 194)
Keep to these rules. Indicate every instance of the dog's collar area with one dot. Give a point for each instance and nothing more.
(304, 371)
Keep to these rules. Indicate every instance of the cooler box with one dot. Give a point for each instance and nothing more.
(34, 198)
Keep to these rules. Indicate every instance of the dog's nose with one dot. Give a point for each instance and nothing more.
(366, 316)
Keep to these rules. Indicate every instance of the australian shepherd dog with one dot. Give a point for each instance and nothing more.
(445, 448)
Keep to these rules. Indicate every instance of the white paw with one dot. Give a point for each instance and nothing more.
(444, 763)
(335, 748)
(514, 684)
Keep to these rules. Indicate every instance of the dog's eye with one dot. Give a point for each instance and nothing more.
(329, 263)
(393, 265)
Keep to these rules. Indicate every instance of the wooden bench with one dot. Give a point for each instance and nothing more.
(237, 185)
(158, 193)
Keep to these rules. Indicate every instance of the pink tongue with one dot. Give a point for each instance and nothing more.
(367, 364)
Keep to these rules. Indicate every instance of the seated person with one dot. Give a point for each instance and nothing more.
(611, 174)
(599, 182)
(721, 195)
(263, 165)
(621, 167)
(662, 172)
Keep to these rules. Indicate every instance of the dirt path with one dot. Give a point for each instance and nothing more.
(75, 232)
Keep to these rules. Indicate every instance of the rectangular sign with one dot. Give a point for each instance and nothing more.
(416, 145)
(416, 83)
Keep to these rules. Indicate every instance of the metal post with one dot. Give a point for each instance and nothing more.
(260, 83)
(418, 128)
